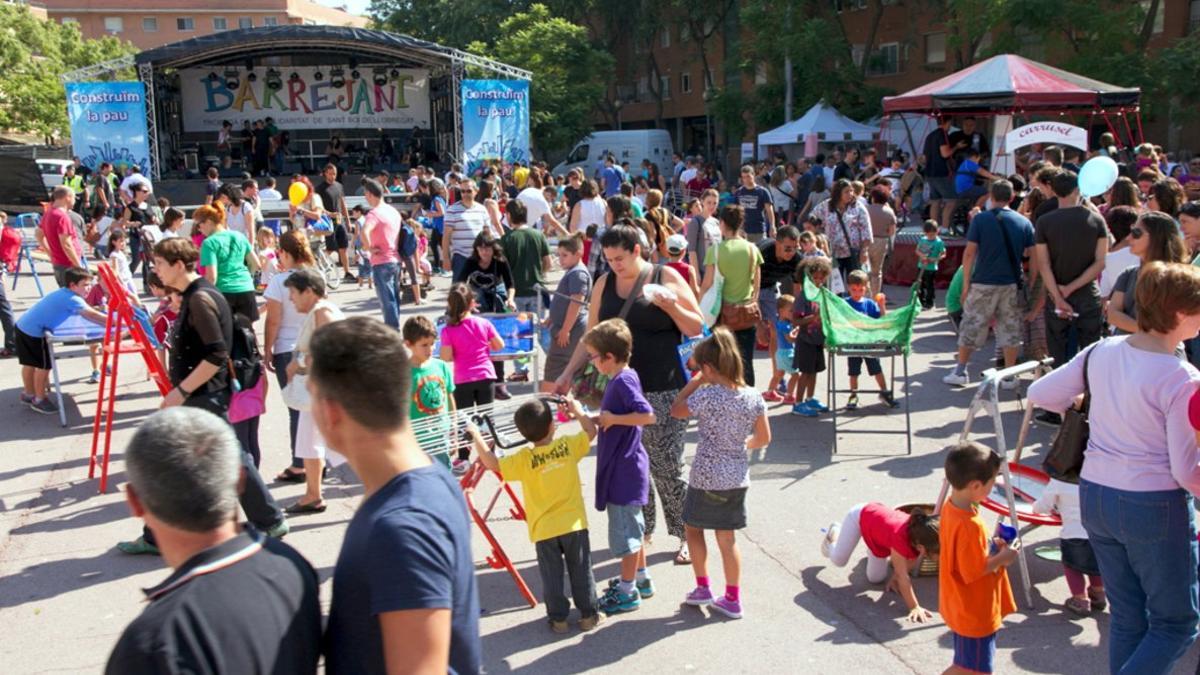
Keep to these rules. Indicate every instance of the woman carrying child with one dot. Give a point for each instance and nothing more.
(891, 536)
(732, 421)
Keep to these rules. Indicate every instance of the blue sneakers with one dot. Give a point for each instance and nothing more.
(615, 602)
(817, 405)
(805, 409)
(645, 587)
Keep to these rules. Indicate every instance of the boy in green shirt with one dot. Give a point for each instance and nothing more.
(930, 251)
(432, 386)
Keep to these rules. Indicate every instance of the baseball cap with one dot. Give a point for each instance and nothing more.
(676, 243)
(1194, 410)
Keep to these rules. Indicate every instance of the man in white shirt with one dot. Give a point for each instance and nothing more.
(269, 193)
(539, 215)
(688, 173)
(135, 176)
(464, 221)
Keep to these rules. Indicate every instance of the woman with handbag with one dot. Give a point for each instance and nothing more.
(738, 265)
(848, 227)
(281, 328)
(659, 327)
(306, 289)
(1135, 453)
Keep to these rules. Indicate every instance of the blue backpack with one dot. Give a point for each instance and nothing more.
(407, 244)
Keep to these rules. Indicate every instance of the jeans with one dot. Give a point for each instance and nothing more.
(844, 266)
(457, 263)
(575, 550)
(387, 289)
(280, 363)
(1145, 543)
(528, 303)
(6, 319)
(247, 435)
(1086, 303)
(925, 293)
(745, 341)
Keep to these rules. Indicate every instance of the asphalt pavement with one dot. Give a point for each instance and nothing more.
(66, 593)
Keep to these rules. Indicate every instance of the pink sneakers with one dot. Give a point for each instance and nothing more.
(699, 597)
(730, 608)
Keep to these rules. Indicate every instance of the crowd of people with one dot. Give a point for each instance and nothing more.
(648, 263)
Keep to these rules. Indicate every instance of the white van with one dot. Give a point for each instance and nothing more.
(627, 146)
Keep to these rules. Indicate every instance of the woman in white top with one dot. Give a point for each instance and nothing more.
(306, 288)
(591, 209)
(781, 190)
(282, 327)
(239, 212)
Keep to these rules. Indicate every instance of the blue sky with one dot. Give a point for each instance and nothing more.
(355, 6)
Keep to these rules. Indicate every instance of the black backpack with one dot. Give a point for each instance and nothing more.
(245, 360)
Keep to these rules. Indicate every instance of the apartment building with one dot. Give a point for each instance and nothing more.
(149, 25)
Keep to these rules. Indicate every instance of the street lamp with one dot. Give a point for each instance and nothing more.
(617, 107)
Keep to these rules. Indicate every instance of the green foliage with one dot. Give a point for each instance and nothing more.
(569, 75)
(33, 54)
(454, 24)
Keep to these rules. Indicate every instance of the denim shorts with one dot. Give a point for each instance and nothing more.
(784, 360)
(975, 654)
(626, 529)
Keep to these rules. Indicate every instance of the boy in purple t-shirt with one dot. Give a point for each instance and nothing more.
(622, 465)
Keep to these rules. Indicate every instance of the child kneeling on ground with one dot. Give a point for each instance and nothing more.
(549, 476)
(622, 465)
(891, 536)
(732, 420)
(973, 589)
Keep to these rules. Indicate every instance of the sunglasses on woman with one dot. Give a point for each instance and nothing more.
(1136, 232)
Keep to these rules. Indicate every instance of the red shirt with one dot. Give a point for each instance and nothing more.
(10, 247)
(884, 530)
(56, 223)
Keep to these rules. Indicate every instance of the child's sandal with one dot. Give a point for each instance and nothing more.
(1079, 606)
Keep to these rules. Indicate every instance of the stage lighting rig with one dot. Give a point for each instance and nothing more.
(232, 81)
(337, 77)
(274, 81)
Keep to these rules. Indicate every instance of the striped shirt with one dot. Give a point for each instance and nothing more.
(467, 223)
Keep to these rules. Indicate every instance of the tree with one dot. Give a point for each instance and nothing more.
(569, 74)
(33, 54)
(454, 24)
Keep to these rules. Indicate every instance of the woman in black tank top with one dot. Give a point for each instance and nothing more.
(658, 328)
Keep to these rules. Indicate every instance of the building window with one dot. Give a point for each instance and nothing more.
(113, 24)
(1194, 15)
(856, 53)
(935, 48)
(69, 19)
(185, 23)
(664, 87)
(1158, 16)
(270, 21)
(849, 5)
(760, 74)
(664, 40)
(149, 24)
(245, 22)
(885, 60)
(220, 23)
(643, 89)
(685, 83)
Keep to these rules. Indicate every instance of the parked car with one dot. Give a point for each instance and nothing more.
(52, 171)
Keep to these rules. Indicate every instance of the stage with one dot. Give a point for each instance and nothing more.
(901, 267)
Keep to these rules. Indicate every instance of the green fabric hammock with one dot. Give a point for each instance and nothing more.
(845, 327)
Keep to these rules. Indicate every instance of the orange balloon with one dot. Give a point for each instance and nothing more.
(880, 298)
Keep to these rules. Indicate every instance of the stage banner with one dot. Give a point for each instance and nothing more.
(304, 98)
(108, 124)
(495, 119)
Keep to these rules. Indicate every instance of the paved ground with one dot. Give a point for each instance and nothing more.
(65, 594)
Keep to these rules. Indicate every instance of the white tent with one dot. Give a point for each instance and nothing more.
(821, 124)
(906, 131)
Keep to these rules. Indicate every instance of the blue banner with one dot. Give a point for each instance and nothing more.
(108, 124)
(495, 119)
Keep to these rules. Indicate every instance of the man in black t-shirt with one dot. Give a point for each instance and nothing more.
(848, 167)
(1072, 243)
(780, 258)
(333, 198)
(571, 191)
(236, 602)
(968, 138)
(939, 172)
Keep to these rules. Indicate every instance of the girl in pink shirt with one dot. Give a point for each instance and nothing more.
(891, 536)
(467, 342)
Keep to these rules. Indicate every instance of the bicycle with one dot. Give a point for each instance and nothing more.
(327, 267)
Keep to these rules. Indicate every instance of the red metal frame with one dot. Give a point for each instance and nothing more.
(1020, 470)
(119, 325)
(498, 558)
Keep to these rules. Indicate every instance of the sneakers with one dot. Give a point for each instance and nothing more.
(1098, 599)
(772, 396)
(501, 393)
(27, 398)
(831, 535)
(805, 410)
(559, 627)
(349, 278)
(1048, 418)
(957, 380)
(789, 400)
(138, 546)
(589, 622)
(852, 402)
(615, 602)
(888, 399)
(44, 406)
(645, 587)
(279, 530)
(817, 405)
(782, 387)
(7, 353)
(95, 377)
(730, 608)
(459, 467)
(699, 597)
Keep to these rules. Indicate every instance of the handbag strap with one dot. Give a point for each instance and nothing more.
(1012, 257)
(635, 291)
(842, 223)
(1087, 388)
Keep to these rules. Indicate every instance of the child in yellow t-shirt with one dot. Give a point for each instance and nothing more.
(549, 476)
(973, 589)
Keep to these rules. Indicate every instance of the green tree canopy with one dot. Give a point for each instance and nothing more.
(569, 74)
(33, 54)
(454, 24)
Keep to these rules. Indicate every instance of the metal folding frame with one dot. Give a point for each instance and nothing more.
(869, 352)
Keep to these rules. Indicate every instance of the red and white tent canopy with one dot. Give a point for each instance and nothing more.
(1010, 83)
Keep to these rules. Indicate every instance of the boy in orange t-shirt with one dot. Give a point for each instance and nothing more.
(974, 593)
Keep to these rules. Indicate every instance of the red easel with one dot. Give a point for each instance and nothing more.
(498, 559)
(121, 324)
